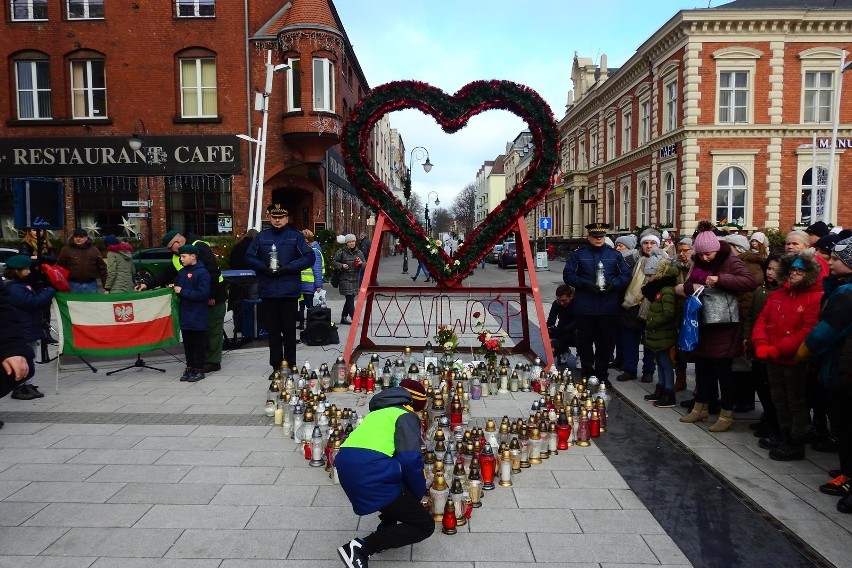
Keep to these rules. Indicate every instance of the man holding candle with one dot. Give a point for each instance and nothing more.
(381, 469)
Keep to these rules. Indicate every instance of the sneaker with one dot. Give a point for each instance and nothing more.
(186, 374)
(839, 486)
(195, 376)
(651, 397)
(414, 278)
(647, 377)
(345, 321)
(35, 392)
(351, 554)
(626, 376)
(22, 393)
(666, 400)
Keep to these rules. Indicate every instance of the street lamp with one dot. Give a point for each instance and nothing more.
(138, 142)
(428, 221)
(417, 153)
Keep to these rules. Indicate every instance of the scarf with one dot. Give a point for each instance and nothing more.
(633, 295)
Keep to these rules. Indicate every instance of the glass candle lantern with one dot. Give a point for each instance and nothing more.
(398, 372)
(535, 446)
(514, 382)
(270, 408)
(448, 518)
(456, 495)
(475, 389)
(429, 460)
(544, 444)
(506, 469)
(338, 374)
(298, 420)
(438, 494)
(524, 442)
(595, 425)
(455, 412)
(317, 448)
(428, 350)
(387, 375)
(488, 465)
(491, 437)
(583, 431)
(504, 381)
(552, 439)
(474, 487)
(515, 458)
(601, 407)
(563, 432)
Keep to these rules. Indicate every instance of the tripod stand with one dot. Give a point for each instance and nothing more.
(138, 363)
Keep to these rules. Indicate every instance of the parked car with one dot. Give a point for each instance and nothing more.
(493, 256)
(5, 253)
(151, 261)
(508, 256)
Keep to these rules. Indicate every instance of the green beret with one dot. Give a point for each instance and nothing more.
(188, 249)
(19, 261)
(167, 238)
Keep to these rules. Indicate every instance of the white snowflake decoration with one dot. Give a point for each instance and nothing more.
(94, 230)
(129, 227)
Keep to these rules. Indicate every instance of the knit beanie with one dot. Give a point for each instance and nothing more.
(417, 392)
(650, 235)
(706, 241)
(844, 255)
(739, 241)
(627, 240)
(685, 241)
(759, 237)
(350, 238)
(110, 240)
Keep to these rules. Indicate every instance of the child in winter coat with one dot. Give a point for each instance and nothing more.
(28, 305)
(659, 305)
(193, 289)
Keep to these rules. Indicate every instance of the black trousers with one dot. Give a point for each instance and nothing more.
(348, 306)
(194, 345)
(841, 426)
(595, 341)
(712, 376)
(280, 322)
(403, 522)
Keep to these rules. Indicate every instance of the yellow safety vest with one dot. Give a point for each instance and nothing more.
(178, 265)
(308, 273)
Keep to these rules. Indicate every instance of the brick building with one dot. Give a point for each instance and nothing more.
(714, 117)
(82, 76)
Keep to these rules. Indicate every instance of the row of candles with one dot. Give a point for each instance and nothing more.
(459, 464)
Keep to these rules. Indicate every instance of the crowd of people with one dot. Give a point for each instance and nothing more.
(775, 326)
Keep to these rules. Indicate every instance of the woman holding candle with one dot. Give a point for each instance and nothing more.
(381, 469)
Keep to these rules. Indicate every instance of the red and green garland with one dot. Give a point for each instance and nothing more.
(452, 113)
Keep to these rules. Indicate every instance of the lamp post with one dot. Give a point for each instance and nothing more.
(826, 216)
(139, 143)
(417, 153)
(428, 221)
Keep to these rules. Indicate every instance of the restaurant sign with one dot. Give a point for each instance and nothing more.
(112, 156)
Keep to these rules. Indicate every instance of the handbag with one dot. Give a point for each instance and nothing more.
(720, 307)
(57, 275)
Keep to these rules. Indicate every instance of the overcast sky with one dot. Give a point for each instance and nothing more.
(449, 43)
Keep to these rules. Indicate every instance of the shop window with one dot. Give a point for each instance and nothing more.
(33, 89)
(7, 219)
(28, 10)
(194, 203)
(97, 202)
(195, 8)
(813, 196)
(85, 9)
(731, 192)
(198, 87)
(294, 85)
(323, 85)
(88, 88)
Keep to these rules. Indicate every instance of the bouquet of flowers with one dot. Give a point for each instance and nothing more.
(446, 338)
(490, 344)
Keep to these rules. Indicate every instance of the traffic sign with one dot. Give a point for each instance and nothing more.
(137, 215)
(545, 223)
(144, 203)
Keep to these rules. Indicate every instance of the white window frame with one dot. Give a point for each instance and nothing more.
(625, 205)
(198, 91)
(670, 96)
(644, 120)
(726, 186)
(813, 190)
(819, 60)
(812, 109)
(643, 205)
(327, 88)
(87, 6)
(197, 6)
(32, 8)
(626, 129)
(806, 160)
(610, 138)
(33, 93)
(669, 198)
(87, 89)
(744, 160)
(572, 164)
(736, 59)
(593, 146)
(294, 98)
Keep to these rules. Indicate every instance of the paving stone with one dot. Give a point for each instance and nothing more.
(274, 459)
(304, 475)
(479, 547)
(618, 522)
(776, 499)
(232, 475)
(627, 499)
(534, 477)
(500, 498)
(266, 495)
(117, 542)
(49, 472)
(176, 443)
(30, 455)
(274, 444)
(66, 492)
(330, 496)
(529, 498)
(28, 541)
(565, 461)
(600, 463)
(150, 399)
(592, 548)
(167, 493)
(489, 564)
(118, 457)
(13, 514)
(141, 473)
(145, 408)
(201, 457)
(114, 442)
(87, 515)
(197, 516)
(10, 486)
(328, 563)
(18, 428)
(304, 518)
(45, 562)
(322, 545)
(728, 462)
(151, 430)
(665, 549)
(155, 563)
(494, 520)
(220, 408)
(596, 479)
(34, 441)
(202, 543)
(231, 432)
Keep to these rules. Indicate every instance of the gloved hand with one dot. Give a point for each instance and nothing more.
(269, 272)
(607, 287)
(766, 352)
(590, 286)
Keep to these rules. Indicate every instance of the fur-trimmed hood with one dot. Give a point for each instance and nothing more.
(812, 273)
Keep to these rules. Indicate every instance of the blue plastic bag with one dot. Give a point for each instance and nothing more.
(688, 337)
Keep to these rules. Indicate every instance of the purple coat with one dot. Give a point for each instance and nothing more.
(721, 341)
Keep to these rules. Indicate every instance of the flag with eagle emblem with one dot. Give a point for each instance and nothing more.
(107, 325)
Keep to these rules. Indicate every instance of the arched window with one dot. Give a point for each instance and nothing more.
(625, 206)
(813, 203)
(610, 208)
(731, 196)
(669, 213)
(643, 203)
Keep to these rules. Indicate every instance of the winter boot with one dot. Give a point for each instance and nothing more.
(698, 414)
(725, 421)
(792, 449)
(658, 392)
(680, 379)
(626, 376)
(666, 400)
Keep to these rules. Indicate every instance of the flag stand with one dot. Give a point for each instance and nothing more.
(140, 363)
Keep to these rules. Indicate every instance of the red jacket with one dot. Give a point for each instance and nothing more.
(788, 317)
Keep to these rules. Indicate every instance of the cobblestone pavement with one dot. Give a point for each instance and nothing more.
(137, 469)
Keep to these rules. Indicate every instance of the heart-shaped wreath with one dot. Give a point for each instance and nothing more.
(452, 113)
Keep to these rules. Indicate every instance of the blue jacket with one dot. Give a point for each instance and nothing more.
(381, 457)
(311, 287)
(28, 304)
(580, 272)
(294, 255)
(195, 290)
(827, 339)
